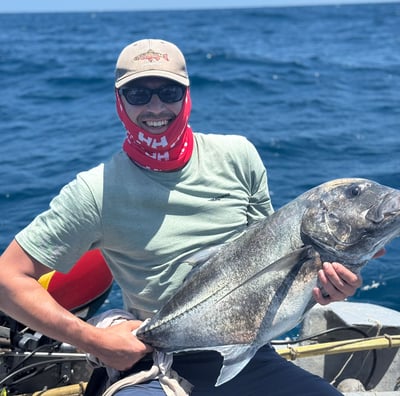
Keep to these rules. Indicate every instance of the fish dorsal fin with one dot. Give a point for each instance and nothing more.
(202, 255)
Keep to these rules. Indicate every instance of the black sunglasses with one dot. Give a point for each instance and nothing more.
(137, 96)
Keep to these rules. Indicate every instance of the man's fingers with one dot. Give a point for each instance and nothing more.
(337, 283)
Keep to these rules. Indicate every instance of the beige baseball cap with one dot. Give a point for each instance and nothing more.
(151, 58)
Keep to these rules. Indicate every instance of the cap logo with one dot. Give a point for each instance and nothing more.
(151, 56)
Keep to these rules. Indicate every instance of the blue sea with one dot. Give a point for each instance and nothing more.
(316, 89)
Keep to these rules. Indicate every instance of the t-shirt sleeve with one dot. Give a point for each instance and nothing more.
(260, 204)
(71, 226)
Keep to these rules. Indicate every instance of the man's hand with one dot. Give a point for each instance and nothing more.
(337, 282)
(119, 348)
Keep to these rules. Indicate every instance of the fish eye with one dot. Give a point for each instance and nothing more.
(354, 191)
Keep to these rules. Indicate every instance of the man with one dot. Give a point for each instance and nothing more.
(168, 194)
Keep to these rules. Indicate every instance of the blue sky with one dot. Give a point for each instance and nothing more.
(118, 5)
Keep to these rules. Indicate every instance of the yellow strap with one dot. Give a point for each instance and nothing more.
(4, 392)
(69, 390)
(45, 279)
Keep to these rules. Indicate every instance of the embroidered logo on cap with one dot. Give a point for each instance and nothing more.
(151, 56)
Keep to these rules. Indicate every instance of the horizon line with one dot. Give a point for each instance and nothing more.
(277, 4)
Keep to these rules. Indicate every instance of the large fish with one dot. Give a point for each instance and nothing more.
(260, 285)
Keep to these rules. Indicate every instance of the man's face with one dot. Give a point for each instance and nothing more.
(156, 115)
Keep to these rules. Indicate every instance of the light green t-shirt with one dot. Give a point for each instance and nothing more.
(148, 224)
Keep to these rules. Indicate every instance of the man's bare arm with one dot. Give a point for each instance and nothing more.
(25, 300)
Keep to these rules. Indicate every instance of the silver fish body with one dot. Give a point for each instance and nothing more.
(253, 289)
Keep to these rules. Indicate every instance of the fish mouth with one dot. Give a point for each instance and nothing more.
(389, 209)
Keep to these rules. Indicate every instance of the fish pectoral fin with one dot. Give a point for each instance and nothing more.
(300, 255)
(236, 357)
(284, 264)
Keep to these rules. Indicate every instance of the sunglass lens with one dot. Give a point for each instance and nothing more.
(171, 93)
(137, 96)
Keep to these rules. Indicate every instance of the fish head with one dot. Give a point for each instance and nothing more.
(349, 220)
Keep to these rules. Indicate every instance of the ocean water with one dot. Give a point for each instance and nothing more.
(316, 89)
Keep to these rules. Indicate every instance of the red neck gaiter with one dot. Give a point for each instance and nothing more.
(167, 151)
